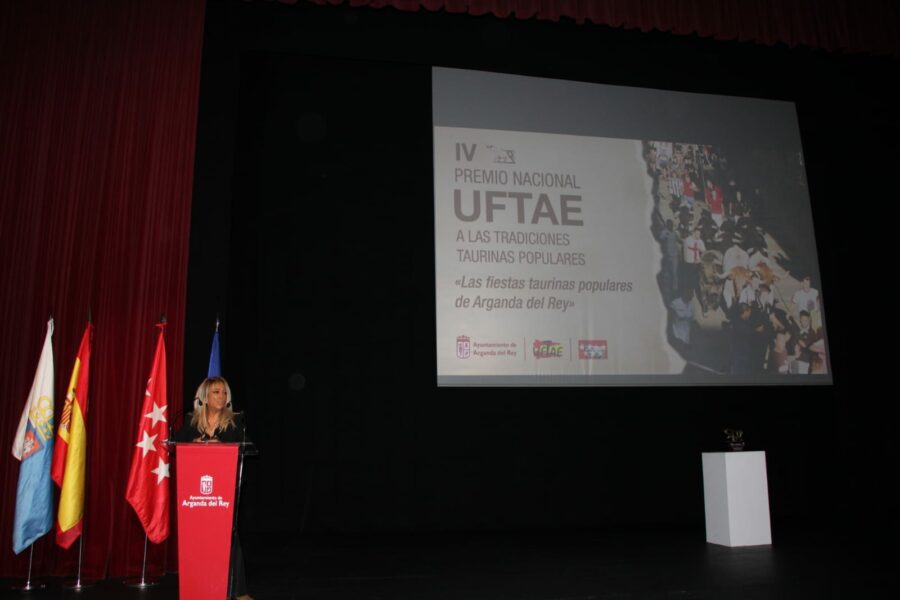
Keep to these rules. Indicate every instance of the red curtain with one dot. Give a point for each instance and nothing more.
(871, 26)
(98, 111)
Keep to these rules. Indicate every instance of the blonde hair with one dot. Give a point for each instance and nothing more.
(201, 401)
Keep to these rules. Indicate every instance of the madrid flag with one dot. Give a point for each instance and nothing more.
(148, 481)
(70, 450)
(33, 445)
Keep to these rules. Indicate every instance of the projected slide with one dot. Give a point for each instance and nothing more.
(599, 235)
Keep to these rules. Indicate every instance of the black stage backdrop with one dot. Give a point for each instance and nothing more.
(312, 238)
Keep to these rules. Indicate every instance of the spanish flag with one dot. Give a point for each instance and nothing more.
(71, 448)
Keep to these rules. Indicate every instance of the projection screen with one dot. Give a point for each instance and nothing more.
(589, 234)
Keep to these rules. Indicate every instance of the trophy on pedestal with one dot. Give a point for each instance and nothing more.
(735, 439)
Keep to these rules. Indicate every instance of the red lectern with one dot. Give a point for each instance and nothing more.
(206, 500)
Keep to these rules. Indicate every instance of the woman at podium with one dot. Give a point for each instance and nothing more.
(214, 420)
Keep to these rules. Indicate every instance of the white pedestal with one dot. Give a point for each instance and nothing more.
(736, 494)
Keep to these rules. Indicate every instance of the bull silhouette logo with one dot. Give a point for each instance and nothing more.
(503, 156)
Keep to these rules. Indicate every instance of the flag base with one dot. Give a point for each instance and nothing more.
(76, 585)
(28, 585)
(141, 582)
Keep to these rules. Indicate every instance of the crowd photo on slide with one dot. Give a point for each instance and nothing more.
(735, 300)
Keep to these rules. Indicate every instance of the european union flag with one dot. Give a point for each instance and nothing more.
(215, 363)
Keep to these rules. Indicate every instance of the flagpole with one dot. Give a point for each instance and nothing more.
(144, 563)
(29, 585)
(78, 584)
(143, 582)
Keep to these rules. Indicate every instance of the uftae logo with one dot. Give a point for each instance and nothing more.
(547, 349)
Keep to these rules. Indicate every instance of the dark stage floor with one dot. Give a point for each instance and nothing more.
(621, 565)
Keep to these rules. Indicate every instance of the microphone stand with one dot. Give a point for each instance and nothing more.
(245, 448)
